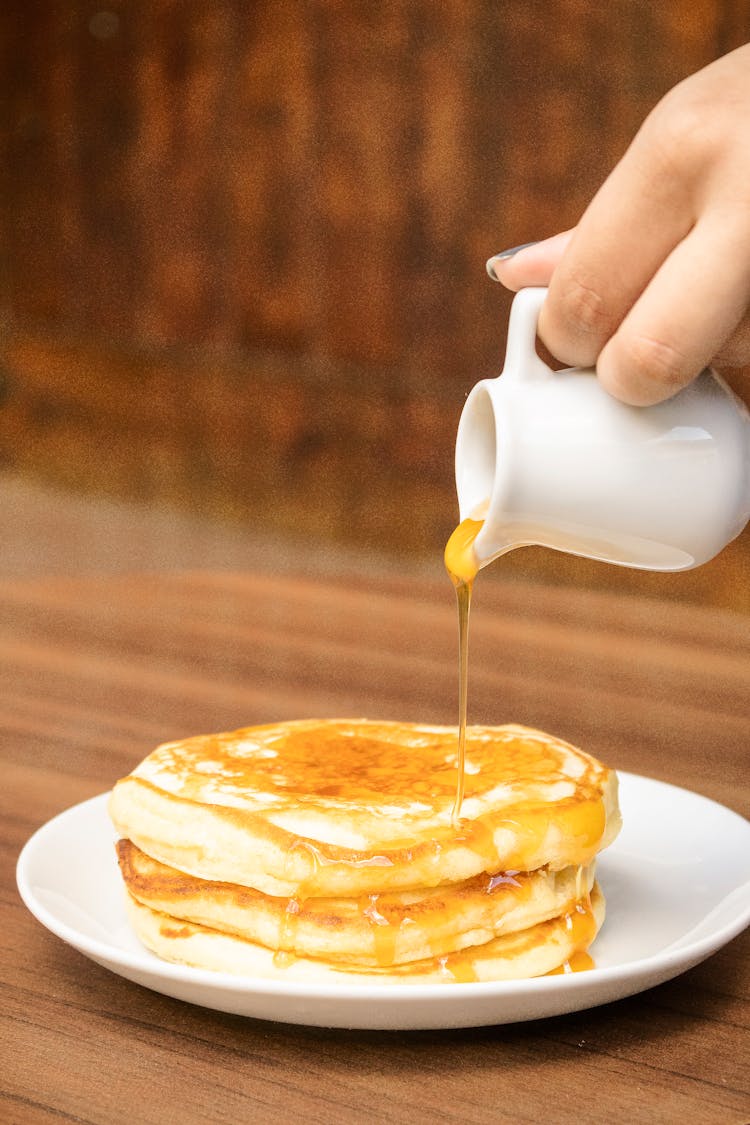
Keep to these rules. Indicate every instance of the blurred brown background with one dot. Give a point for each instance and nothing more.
(243, 246)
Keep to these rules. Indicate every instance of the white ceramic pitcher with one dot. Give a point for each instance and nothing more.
(549, 457)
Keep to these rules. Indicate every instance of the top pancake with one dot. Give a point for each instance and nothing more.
(348, 807)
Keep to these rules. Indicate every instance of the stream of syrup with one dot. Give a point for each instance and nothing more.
(462, 567)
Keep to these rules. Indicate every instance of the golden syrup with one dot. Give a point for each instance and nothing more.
(579, 962)
(580, 821)
(462, 567)
(583, 820)
(479, 839)
(285, 951)
(286, 942)
(517, 884)
(355, 768)
(460, 560)
(530, 827)
(580, 924)
(459, 967)
(384, 933)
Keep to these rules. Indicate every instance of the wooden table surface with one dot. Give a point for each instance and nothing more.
(95, 672)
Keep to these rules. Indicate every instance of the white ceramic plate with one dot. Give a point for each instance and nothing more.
(676, 880)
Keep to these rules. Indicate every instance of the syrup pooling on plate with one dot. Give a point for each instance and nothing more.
(579, 962)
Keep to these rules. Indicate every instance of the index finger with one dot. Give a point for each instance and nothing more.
(641, 212)
(532, 264)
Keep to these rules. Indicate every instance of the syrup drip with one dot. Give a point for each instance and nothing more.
(384, 934)
(580, 923)
(579, 962)
(480, 840)
(460, 969)
(286, 942)
(462, 567)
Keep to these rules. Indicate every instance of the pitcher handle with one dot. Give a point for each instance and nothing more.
(521, 359)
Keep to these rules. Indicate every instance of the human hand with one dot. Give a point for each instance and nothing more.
(654, 282)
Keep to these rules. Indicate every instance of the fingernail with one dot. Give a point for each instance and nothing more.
(504, 255)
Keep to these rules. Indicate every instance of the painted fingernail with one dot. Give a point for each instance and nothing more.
(503, 257)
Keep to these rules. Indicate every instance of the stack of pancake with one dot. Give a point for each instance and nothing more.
(330, 850)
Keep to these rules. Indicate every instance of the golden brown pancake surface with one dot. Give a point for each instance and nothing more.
(321, 808)
(534, 951)
(377, 930)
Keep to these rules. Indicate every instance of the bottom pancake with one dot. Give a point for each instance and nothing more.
(531, 952)
(370, 931)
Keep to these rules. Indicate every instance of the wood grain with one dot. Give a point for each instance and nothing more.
(95, 671)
